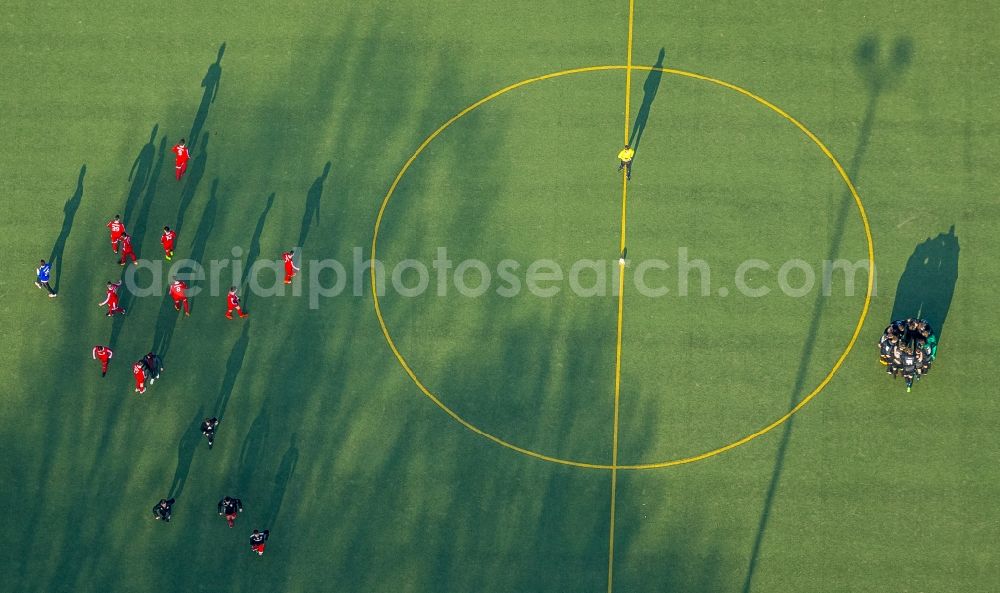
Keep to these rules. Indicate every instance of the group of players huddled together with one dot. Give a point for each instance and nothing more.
(907, 348)
(148, 368)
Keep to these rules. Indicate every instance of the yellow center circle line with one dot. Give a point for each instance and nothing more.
(638, 466)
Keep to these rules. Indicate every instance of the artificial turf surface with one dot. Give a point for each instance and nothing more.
(365, 484)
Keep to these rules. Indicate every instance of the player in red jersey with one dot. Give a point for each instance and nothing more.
(177, 293)
(167, 240)
(117, 228)
(181, 157)
(103, 354)
(139, 372)
(126, 241)
(290, 267)
(111, 300)
(233, 302)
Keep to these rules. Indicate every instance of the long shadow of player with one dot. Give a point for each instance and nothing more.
(927, 285)
(185, 453)
(211, 85)
(166, 321)
(140, 175)
(138, 231)
(310, 217)
(201, 235)
(253, 450)
(878, 75)
(191, 180)
(281, 479)
(69, 213)
(233, 367)
(253, 252)
(649, 89)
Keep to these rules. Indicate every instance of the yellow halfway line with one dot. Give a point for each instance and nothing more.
(614, 437)
(621, 307)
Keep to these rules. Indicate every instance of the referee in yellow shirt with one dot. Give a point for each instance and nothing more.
(625, 160)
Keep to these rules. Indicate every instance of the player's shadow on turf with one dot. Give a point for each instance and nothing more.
(878, 74)
(138, 231)
(191, 180)
(281, 479)
(140, 175)
(69, 213)
(649, 88)
(204, 231)
(165, 323)
(927, 285)
(211, 85)
(253, 450)
(185, 453)
(233, 367)
(253, 252)
(311, 215)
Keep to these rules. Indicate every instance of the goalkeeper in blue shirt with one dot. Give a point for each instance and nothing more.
(42, 275)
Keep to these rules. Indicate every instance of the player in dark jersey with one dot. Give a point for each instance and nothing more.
(923, 326)
(928, 357)
(162, 510)
(921, 363)
(257, 540)
(886, 347)
(154, 364)
(908, 367)
(208, 426)
(230, 507)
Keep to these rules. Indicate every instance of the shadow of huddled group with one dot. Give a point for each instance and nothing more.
(927, 285)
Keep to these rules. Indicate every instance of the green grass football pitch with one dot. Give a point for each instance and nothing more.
(306, 112)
